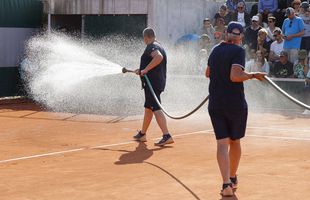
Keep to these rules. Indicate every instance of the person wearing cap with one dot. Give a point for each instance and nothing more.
(267, 6)
(251, 33)
(293, 29)
(277, 46)
(207, 28)
(241, 15)
(227, 105)
(296, 6)
(301, 67)
(283, 68)
(305, 16)
(222, 13)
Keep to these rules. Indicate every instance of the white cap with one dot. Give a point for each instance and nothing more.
(255, 18)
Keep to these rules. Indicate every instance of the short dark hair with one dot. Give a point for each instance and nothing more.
(149, 32)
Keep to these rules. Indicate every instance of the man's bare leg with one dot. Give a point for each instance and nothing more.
(223, 159)
(234, 156)
(148, 116)
(161, 121)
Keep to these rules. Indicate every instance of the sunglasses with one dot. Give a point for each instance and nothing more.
(254, 21)
(234, 33)
(240, 7)
(275, 35)
(290, 25)
(270, 21)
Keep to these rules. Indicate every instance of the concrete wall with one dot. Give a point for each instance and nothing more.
(175, 18)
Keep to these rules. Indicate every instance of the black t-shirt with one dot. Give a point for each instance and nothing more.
(251, 37)
(283, 70)
(157, 75)
(225, 94)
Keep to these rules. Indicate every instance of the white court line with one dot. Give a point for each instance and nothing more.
(279, 129)
(210, 131)
(87, 148)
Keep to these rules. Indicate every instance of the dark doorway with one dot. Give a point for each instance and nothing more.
(67, 23)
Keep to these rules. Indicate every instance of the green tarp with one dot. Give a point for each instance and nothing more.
(21, 13)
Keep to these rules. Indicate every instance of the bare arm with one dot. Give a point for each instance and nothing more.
(208, 72)
(238, 75)
(157, 58)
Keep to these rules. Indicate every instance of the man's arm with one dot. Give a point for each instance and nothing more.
(157, 58)
(208, 72)
(237, 75)
(301, 33)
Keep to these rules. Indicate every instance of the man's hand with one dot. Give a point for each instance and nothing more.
(289, 37)
(143, 72)
(137, 71)
(259, 75)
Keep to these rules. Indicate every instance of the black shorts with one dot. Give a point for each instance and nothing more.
(229, 123)
(150, 102)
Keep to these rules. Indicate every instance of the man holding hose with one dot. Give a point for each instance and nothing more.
(153, 64)
(228, 108)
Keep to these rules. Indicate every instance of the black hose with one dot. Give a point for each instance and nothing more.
(162, 108)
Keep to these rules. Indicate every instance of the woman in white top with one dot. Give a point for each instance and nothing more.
(260, 65)
(271, 27)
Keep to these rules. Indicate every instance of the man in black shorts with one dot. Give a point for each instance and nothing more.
(153, 64)
(227, 104)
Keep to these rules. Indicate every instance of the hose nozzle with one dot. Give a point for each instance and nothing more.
(124, 70)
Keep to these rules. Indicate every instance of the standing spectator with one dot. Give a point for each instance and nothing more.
(271, 27)
(222, 13)
(301, 68)
(276, 47)
(293, 29)
(279, 14)
(267, 6)
(232, 5)
(207, 29)
(251, 33)
(305, 16)
(296, 6)
(283, 68)
(241, 15)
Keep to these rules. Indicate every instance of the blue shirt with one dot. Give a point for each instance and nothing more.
(232, 6)
(271, 5)
(290, 27)
(157, 75)
(225, 94)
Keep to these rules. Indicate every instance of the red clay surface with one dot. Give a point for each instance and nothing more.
(51, 156)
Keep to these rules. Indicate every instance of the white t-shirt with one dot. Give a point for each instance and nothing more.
(277, 47)
(241, 19)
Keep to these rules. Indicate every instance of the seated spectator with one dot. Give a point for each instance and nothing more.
(283, 68)
(305, 16)
(241, 15)
(271, 27)
(205, 42)
(267, 6)
(218, 37)
(207, 29)
(222, 13)
(296, 5)
(259, 65)
(220, 30)
(232, 5)
(293, 29)
(251, 33)
(276, 47)
(301, 68)
(262, 44)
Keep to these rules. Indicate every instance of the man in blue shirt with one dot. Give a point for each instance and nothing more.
(153, 64)
(293, 29)
(227, 104)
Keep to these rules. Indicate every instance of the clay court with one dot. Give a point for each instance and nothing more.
(50, 156)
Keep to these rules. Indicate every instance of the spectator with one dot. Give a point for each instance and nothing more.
(241, 15)
(283, 68)
(222, 13)
(293, 29)
(276, 47)
(260, 64)
(220, 30)
(218, 37)
(205, 42)
(202, 60)
(207, 29)
(303, 8)
(251, 33)
(280, 12)
(305, 16)
(271, 27)
(232, 5)
(301, 68)
(262, 44)
(296, 6)
(267, 6)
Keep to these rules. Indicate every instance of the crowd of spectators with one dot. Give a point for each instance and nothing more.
(276, 37)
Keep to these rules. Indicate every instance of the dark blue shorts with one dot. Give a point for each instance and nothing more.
(150, 102)
(229, 123)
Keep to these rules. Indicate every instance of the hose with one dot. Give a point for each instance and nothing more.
(163, 109)
(286, 94)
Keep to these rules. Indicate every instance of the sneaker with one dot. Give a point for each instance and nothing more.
(140, 137)
(227, 190)
(234, 182)
(167, 139)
